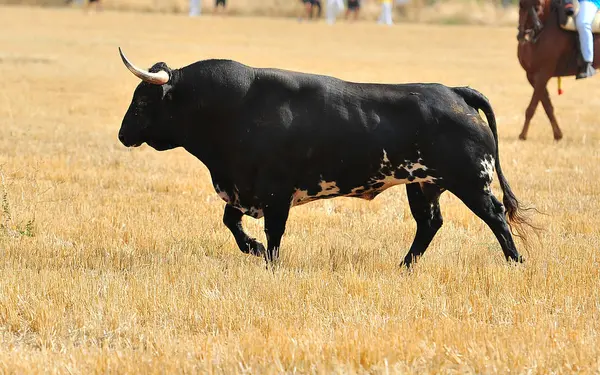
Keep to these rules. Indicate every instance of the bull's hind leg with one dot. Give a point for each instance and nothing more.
(485, 205)
(425, 207)
(232, 218)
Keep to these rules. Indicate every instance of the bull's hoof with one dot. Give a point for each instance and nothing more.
(522, 137)
(253, 247)
(515, 259)
(272, 257)
(558, 136)
(408, 262)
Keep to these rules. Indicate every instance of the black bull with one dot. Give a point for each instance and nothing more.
(275, 139)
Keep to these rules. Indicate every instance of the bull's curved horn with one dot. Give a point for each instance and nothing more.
(159, 78)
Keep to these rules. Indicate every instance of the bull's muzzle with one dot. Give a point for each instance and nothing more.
(128, 142)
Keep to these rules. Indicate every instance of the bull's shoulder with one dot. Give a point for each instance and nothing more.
(294, 81)
(211, 64)
(218, 72)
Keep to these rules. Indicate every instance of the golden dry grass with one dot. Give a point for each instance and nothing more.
(116, 261)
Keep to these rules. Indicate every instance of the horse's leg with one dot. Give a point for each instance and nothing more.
(535, 99)
(540, 93)
(550, 112)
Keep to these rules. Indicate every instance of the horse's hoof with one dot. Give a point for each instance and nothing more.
(522, 137)
(558, 137)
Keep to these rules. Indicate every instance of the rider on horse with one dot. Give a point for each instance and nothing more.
(585, 17)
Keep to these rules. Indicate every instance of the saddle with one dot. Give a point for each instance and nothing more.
(568, 22)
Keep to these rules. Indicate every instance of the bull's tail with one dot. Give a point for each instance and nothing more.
(515, 212)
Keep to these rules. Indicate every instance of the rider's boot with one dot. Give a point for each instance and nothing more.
(586, 70)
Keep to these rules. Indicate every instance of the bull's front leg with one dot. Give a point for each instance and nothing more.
(276, 214)
(232, 218)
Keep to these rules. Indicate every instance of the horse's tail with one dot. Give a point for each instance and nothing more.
(515, 212)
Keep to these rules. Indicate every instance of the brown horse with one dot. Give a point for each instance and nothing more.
(545, 51)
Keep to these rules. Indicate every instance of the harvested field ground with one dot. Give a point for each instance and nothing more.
(116, 261)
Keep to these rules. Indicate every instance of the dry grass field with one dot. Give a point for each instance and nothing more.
(116, 261)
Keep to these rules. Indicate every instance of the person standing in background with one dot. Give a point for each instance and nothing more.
(354, 8)
(307, 11)
(195, 7)
(315, 4)
(386, 13)
(95, 3)
(334, 8)
(401, 7)
(223, 4)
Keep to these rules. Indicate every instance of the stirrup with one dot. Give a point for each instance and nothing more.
(587, 71)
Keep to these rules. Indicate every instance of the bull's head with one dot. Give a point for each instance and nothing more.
(148, 118)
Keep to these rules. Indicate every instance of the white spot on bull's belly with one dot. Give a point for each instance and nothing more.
(388, 182)
(328, 188)
(299, 197)
(414, 167)
(383, 179)
(378, 184)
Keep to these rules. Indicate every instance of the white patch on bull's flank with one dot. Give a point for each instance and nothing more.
(487, 170)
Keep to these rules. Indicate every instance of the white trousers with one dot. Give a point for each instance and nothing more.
(195, 6)
(585, 16)
(386, 14)
(334, 8)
